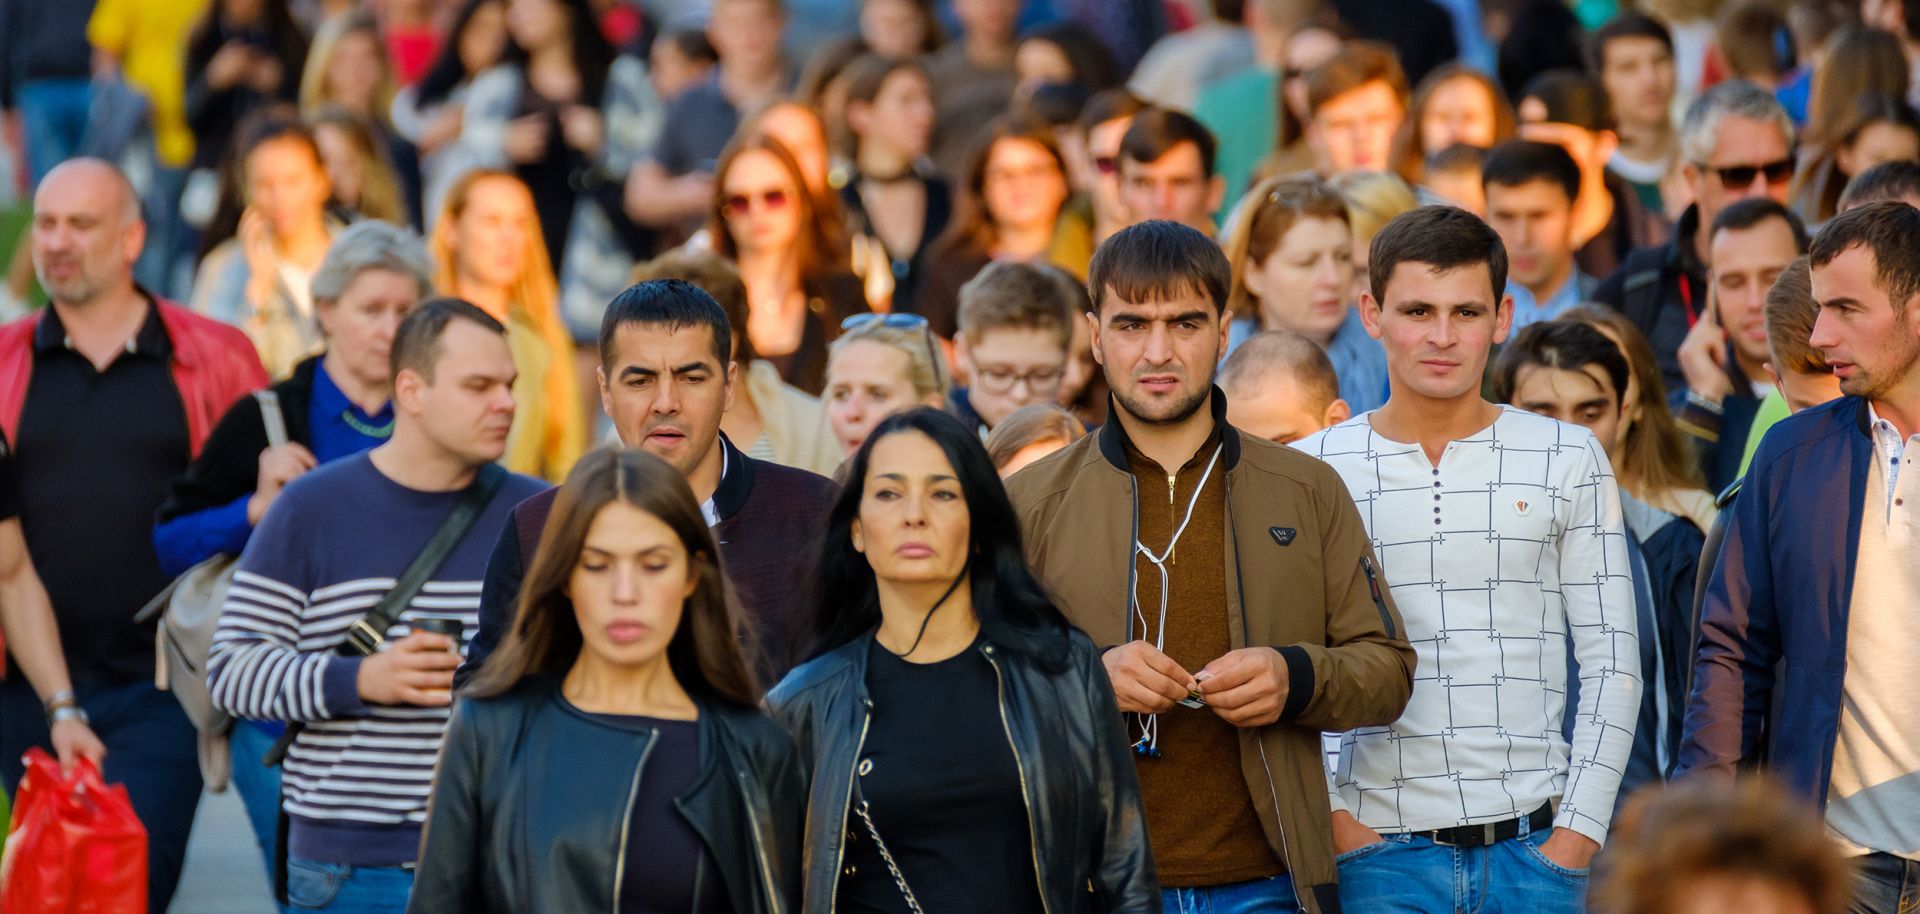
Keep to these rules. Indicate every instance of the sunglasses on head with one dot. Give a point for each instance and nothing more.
(1740, 177)
(741, 204)
(899, 321)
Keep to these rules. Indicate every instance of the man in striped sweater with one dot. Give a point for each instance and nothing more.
(356, 780)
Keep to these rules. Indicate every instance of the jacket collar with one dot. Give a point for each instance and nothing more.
(1114, 440)
(736, 481)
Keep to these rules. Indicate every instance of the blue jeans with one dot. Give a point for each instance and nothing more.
(341, 889)
(151, 748)
(1409, 875)
(53, 120)
(258, 785)
(1272, 895)
(1885, 884)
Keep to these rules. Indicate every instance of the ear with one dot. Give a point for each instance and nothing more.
(606, 393)
(857, 117)
(733, 378)
(693, 575)
(1690, 174)
(135, 240)
(1093, 338)
(1226, 328)
(1772, 372)
(1217, 188)
(1503, 318)
(1370, 314)
(406, 390)
(859, 542)
(1337, 412)
(962, 354)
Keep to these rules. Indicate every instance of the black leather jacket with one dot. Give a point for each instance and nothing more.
(1083, 800)
(533, 797)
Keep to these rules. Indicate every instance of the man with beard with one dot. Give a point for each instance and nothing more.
(1229, 579)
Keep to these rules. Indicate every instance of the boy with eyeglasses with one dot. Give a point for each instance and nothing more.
(1016, 323)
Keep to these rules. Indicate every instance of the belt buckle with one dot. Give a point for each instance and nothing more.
(1486, 835)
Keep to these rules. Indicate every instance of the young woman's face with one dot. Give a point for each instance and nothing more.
(1877, 143)
(355, 72)
(536, 23)
(342, 160)
(287, 183)
(493, 233)
(1458, 111)
(761, 202)
(914, 526)
(1302, 286)
(630, 586)
(867, 381)
(901, 114)
(483, 39)
(1024, 186)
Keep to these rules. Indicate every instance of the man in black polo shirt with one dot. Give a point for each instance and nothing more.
(107, 394)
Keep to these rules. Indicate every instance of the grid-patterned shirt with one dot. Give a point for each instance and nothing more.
(1496, 555)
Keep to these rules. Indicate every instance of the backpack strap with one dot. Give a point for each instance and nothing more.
(270, 414)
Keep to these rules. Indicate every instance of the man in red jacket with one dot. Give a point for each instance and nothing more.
(106, 395)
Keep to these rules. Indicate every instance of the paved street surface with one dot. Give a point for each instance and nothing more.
(224, 874)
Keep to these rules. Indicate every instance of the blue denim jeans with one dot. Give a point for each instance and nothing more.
(53, 121)
(151, 748)
(1273, 895)
(341, 889)
(1409, 875)
(1885, 884)
(258, 785)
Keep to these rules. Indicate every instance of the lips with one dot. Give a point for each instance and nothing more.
(914, 551)
(666, 435)
(1160, 384)
(625, 631)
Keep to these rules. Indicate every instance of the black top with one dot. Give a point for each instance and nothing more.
(831, 298)
(97, 451)
(546, 176)
(905, 265)
(668, 869)
(944, 791)
(9, 487)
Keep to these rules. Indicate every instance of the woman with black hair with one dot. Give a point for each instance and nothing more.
(244, 55)
(965, 748)
(430, 113)
(623, 656)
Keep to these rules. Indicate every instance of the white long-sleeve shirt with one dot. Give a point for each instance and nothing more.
(1496, 555)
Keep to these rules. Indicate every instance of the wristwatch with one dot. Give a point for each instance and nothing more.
(64, 706)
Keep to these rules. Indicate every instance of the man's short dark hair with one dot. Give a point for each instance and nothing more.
(1628, 24)
(1745, 214)
(716, 277)
(1157, 260)
(1110, 105)
(1572, 97)
(1517, 162)
(416, 343)
(1898, 180)
(1888, 229)
(669, 305)
(1356, 64)
(1443, 237)
(1158, 131)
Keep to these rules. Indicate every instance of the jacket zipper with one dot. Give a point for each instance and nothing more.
(626, 825)
(1173, 524)
(840, 856)
(1033, 840)
(1379, 602)
(759, 845)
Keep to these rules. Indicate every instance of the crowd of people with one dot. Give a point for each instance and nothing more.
(556, 455)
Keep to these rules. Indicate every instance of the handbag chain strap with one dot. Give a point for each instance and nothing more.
(893, 868)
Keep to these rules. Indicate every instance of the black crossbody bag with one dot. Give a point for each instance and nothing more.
(365, 636)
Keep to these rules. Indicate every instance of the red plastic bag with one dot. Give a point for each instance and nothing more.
(75, 847)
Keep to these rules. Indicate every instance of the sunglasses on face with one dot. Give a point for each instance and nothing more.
(1108, 165)
(736, 205)
(1740, 177)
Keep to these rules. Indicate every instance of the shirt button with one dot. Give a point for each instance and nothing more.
(1436, 497)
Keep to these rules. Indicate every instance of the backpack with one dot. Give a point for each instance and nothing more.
(189, 613)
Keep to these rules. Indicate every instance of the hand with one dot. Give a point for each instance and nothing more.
(1350, 835)
(256, 246)
(1569, 849)
(526, 138)
(443, 128)
(415, 670)
(278, 466)
(1247, 687)
(1145, 681)
(265, 74)
(73, 740)
(1702, 358)
(105, 64)
(582, 128)
(229, 65)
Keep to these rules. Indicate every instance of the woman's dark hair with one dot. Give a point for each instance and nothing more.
(1410, 145)
(593, 54)
(264, 125)
(1014, 611)
(705, 653)
(1566, 345)
(1544, 35)
(1820, 184)
(1093, 64)
(276, 33)
(448, 71)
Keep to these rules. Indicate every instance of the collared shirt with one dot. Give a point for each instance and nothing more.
(709, 509)
(1890, 452)
(1528, 310)
(338, 426)
(97, 450)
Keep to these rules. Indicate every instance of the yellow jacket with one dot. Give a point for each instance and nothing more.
(150, 39)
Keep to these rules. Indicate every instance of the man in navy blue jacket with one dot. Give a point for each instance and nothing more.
(1807, 655)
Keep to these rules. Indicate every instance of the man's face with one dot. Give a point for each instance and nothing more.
(1276, 410)
(992, 18)
(665, 390)
(86, 234)
(746, 32)
(1437, 328)
(1871, 347)
(1582, 396)
(1011, 367)
(1159, 356)
(1750, 159)
(1535, 220)
(1639, 78)
(1354, 131)
(1745, 264)
(1174, 186)
(466, 407)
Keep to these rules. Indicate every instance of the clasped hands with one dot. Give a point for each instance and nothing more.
(1246, 688)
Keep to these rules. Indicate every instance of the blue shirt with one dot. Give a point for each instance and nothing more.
(1528, 311)
(1358, 361)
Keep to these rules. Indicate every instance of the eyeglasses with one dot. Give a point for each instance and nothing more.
(901, 321)
(737, 205)
(1740, 177)
(999, 379)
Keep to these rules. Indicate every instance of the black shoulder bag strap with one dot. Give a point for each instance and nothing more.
(365, 635)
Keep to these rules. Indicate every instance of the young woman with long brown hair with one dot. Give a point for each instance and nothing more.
(623, 653)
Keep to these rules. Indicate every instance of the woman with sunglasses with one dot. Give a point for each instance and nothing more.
(894, 195)
(622, 652)
(882, 364)
(966, 752)
(798, 287)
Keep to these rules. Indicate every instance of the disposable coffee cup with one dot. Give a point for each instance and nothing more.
(449, 627)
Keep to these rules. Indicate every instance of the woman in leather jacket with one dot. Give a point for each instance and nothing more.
(965, 748)
(610, 755)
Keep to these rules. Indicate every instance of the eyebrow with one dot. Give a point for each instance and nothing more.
(902, 477)
(677, 370)
(1126, 317)
(1841, 302)
(650, 550)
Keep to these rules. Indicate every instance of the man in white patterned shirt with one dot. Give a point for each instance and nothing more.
(1501, 535)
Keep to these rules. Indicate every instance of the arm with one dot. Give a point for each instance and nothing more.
(634, 116)
(499, 592)
(190, 539)
(206, 511)
(484, 115)
(448, 876)
(1124, 877)
(33, 638)
(653, 197)
(1597, 586)
(1739, 640)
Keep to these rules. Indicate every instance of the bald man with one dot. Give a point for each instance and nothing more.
(1281, 386)
(105, 396)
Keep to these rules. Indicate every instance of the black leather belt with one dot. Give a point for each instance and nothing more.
(1491, 833)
